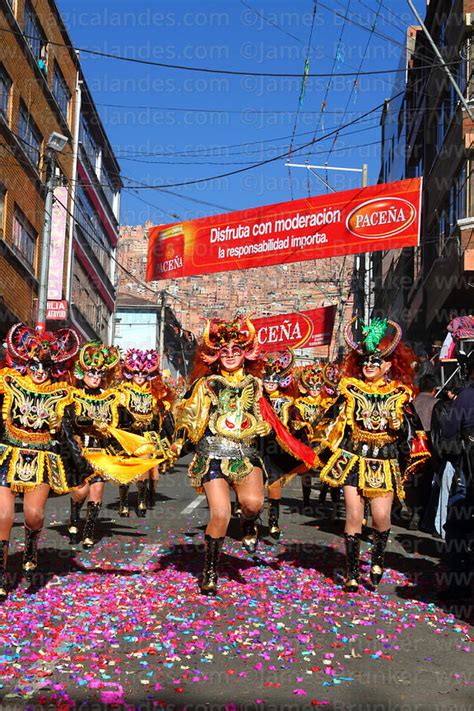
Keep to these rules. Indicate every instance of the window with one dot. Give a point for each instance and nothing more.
(88, 301)
(88, 142)
(61, 92)
(24, 237)
(3, 194)
(35, 37)
(107, 187)
(91, 228)
(460, 185)
(29, 135)
(5, 86)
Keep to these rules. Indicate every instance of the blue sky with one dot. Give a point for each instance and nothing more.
(171, 126)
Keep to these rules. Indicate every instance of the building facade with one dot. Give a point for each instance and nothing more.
(43, 91)
(421, 287)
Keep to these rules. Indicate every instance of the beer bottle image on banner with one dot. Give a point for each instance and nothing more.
(170, 251)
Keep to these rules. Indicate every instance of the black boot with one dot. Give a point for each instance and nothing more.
(93, 510)
(3, 570)
(273, 516)
(141, 500)
(209, 574)
(237, 507)
(30, 553)
(323, 492)
(74, 525)
(306, 496)
(365, 520)
(378, 555)
(249, 534)
(352, 557)
(124, 510)
(151, 494)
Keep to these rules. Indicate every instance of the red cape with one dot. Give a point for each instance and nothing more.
(285, 438)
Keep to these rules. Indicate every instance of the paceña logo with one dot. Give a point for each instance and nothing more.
(380, 218)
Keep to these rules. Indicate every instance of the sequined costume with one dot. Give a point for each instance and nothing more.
(34, 455)
(361, 447)
(221, 417)
(369, 445)
(148, 405)
(226, 418)
(31, 449)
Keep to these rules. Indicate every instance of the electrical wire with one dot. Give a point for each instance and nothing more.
(210, 70)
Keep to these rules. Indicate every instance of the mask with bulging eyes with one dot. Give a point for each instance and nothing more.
(372, 360)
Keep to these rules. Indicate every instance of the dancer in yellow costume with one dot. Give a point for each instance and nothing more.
(369, 446)
(34, 393)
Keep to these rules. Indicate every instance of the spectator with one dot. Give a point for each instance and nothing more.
(418, 488)
(459, 527)
(425, 367)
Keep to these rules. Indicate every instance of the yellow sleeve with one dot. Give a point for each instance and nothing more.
(191, 414)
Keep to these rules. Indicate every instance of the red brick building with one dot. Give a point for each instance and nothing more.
(42, 90)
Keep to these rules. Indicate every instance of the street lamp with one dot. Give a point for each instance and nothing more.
(56, 143)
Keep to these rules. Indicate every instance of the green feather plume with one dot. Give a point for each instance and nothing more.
(373, 334)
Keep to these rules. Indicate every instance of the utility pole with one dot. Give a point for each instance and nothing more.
(367, 262)
(161, 340)
(56, 143)
(441, 60)
(362, 288)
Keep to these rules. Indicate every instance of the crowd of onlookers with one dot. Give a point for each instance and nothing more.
(440, 498)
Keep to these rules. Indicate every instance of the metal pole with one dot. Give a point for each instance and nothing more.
(440, 57)
(162, 329)
(46, 244)
(367, 260)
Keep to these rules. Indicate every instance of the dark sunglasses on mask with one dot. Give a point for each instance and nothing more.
(36, 366)
(373, 360)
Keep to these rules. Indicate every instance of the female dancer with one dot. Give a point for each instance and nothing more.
(34, 395)
(94, 407)
(366, 447)
(224, 415)
(148, 402)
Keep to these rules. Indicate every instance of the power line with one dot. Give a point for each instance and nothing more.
(263, 162)
(210, 70)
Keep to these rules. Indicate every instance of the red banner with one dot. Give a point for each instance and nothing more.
(380, 217)
(305, 329)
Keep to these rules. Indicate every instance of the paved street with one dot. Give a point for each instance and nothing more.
(124, 625)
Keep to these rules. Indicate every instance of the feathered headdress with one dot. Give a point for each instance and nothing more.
(56, 350)
(372, 335)
(137, 361)
(279, 366)
(94, 355)
(218, 334)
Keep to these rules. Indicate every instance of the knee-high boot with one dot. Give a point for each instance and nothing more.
(209, 574)
(3, 570)
(249, 533)
(124, 510)
(141, 500)
(151, 493)
(93, 510)
(30, 553)
(273, 518)
(378, 555)
(351, 583)
(74, 525)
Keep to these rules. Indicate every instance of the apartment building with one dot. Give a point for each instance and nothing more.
(43, 91)
(422, 286)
